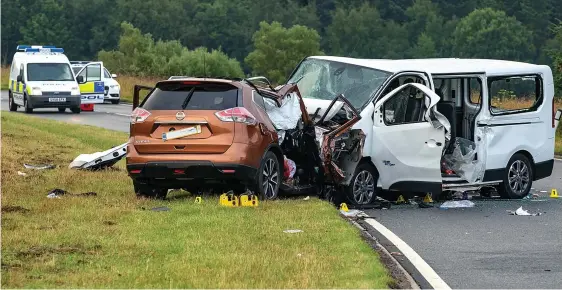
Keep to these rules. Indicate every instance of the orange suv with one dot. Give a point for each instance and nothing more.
(196, 134)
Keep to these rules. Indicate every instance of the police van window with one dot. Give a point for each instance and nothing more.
(77, 69)
(106, 74)
(516, 94)
(21, 71)
(91, 73)
(49, 72)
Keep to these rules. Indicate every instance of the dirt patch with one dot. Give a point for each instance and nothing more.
(109, 223)
(38, 251)
(14, 208)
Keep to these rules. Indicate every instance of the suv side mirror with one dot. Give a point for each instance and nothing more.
(80, 79)
(19, 79)
(113, 75)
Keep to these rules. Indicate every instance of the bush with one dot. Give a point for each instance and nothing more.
(139, 55)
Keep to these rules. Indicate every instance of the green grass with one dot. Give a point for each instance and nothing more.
(114, 240)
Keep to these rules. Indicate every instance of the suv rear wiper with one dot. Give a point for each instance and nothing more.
(187, 98)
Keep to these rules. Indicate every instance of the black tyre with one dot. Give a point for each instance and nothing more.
(62, 110)
(518, 178)
(147, 191)
(269, 177)
(75, 110)
(26, 105)
(115, 102)
(363, 186)
(12, 104)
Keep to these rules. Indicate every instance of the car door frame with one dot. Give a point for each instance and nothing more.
(93, 93)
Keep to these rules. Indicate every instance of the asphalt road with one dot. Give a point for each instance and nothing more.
(107, 116)
(484, 246)
(480, 247)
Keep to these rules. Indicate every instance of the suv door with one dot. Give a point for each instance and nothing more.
(92, 86)
(408, 139)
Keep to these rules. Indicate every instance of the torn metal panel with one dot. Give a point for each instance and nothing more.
(100, 160)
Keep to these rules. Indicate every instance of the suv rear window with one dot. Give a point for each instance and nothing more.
(207, 96)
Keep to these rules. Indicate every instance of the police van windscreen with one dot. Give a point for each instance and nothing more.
(49, 72)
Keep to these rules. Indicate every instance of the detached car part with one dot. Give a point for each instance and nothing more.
(100, 160)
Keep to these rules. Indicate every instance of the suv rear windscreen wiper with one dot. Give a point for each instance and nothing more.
(187, 98)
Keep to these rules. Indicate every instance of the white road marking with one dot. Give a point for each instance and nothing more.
(426, 271)
(126, 115)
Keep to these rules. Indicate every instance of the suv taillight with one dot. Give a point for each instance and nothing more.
(238, 115)
(139, 115)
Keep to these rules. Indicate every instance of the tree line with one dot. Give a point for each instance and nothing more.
(237, 37)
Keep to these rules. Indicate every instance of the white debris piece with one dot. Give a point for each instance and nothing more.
(99, 160)
(521, 211)
(457, 204)
(292, 231)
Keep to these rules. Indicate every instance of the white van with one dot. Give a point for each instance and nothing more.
(435, 125)
(41, 77)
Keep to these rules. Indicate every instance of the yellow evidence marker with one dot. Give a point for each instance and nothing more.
(198, 200)
(343, 207)
(248, 200)
(554, 193)
(228, 199)
(427, 198)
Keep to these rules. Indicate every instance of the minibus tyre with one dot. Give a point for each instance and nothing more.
(148, 191)
(62, 110)
(364, 177)
(75, 110)
(517, 163)
(13, 105)
(28, 109)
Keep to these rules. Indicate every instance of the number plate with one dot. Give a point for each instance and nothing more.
(181, 133)
(57, 99)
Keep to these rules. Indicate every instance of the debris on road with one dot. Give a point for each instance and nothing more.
(39, 167)
(521, 211)
(22, 173)
(425, 205)
(99, 160)
(162, 208)
(292, 231)
(57, 193)
(306, 198)
(457, 204)
(350, 213)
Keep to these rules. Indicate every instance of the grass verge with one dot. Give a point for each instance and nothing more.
(113, 240)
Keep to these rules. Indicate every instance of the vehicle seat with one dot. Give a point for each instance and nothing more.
(447, 108)
(413, 109)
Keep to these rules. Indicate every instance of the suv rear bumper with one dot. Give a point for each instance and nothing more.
(173, 174)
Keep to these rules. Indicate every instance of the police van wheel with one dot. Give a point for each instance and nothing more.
(75, 110)
(62, 110)
(13, 106)
(26, 106)
(115, 102)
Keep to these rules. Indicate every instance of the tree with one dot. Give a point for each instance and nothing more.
(138, 54)
(554, 51)
(424, 48)
(278, 50)
(491, 33)
(361, 32)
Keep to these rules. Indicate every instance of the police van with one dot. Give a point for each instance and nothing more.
(41, 77)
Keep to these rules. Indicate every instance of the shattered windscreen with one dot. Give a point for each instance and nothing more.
(323, 79)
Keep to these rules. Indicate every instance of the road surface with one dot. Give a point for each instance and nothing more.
(480, 247)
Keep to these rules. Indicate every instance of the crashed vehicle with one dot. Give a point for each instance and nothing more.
(355, 125)
(434, 125)
(200, 134)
